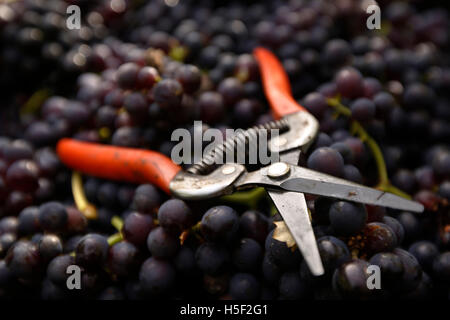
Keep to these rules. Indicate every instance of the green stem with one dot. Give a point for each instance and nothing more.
(36, 100)
(117, 223)
(115, 238)
(356, 128)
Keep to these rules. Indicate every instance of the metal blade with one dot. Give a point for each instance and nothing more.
(313, 182)
(293, 209)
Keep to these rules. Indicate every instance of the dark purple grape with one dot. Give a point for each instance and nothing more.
(336, 52)
(247, 256)
(326, 160)
(231, 90)
(418, 95)
(391, 267)
(396, 226)
(17, 150)
(50, 246)
(444, 190)
(352, 173)
(28, 221)
(52, 216)
(23, 259)
(425, 252)
(371, 87)
(9, 225)
(162, 244)
(441, 164)
(126, 75)
(412, 271)
(281, 254)
(384, 103)
(136, 104)
(123, 258)
(253, 224)
(347, 218)
(350, 280)
(167, 93)
(146, 199)
(333, 253)
(211, 106)
(363, 109)
(379, 237)
(76, 221)
(17, 201)
(6, 241)
(271, 272)
(315, 103)
(126, 137)
(175, 216)
(147, 77)
(23, 175)
(190, 78)
(184, 261)
(92, 251)
(157, 277)
(411, 226)
(220, 223)
(349, 83)
(441, 267)
(344, 149)
(136, 228)
(107, 195)
(244, 286)
(404, 179)
(245, 112)
(211, 258)
(292, 287)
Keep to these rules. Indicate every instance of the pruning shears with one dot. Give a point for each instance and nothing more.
(284, 180)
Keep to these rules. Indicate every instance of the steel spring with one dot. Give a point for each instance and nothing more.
(208, 162)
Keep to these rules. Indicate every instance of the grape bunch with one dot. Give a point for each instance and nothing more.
(137, 70)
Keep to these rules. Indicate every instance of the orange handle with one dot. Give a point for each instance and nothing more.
(118, 163)
(276, 84)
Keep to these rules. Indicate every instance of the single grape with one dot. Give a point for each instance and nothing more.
(412, 274)
(136, 228)
(425, 252)
(211, 258)
(347, 218)
(146, 199)
(50, 246)
(244, 286)
(379, 237)
(157, 277)
(184, 261)
(220, 223)
(124, 258)
(441, 267)
(396, 227)
(162, 244)
(292, 287)
(350, 280)
(327, 160)
(91, 251)
(363, 109)
(23, 175)
(247, 256)
(175, 216)
(253, 224)
(23, 259)
(52, 216)
(391, 267)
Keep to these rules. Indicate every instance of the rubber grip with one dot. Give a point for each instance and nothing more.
(276, 84)
(118, 163)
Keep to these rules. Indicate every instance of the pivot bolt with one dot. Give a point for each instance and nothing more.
(278, 170)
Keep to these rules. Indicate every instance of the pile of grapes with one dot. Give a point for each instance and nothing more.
(137, 70)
